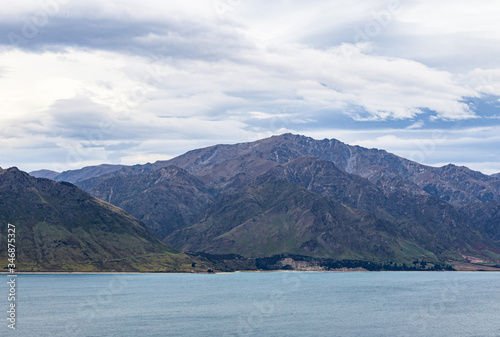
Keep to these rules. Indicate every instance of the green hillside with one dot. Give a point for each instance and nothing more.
(61, 228)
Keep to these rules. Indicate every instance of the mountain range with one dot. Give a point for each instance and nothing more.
(291, 197)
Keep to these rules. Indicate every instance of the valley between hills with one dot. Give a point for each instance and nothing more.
(285, 202)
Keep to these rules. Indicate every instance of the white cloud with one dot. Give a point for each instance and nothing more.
(484, 81)
(198, 74)
(417, 125)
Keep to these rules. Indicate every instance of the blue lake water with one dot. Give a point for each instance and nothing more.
(257, 304)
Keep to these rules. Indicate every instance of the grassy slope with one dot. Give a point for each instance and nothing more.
(61, 228)
(276, 217)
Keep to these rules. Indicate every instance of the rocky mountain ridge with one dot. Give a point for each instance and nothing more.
(291, 194)
(217, 164)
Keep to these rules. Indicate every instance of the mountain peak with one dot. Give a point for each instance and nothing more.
(295, 137)
(288, 136)
(44, 174)
(13, 172)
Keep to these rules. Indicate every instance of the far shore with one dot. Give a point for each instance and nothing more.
(246, 271)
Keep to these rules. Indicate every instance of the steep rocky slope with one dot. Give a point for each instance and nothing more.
(165, 200)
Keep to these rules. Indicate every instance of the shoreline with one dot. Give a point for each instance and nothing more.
(459, 267)
(248, 272)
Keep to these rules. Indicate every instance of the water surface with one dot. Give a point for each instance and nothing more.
(258, 304)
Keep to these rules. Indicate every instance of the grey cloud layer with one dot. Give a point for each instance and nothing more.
(159, 82)
(182, 38)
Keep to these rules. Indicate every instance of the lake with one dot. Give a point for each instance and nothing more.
(257, 304)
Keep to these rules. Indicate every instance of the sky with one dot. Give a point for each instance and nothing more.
(128, 82)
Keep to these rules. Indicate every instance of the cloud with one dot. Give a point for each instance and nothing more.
(416, 125)
(474, 147)
(119, 81)
(376, 87)
(484, 81)
(172, 37)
